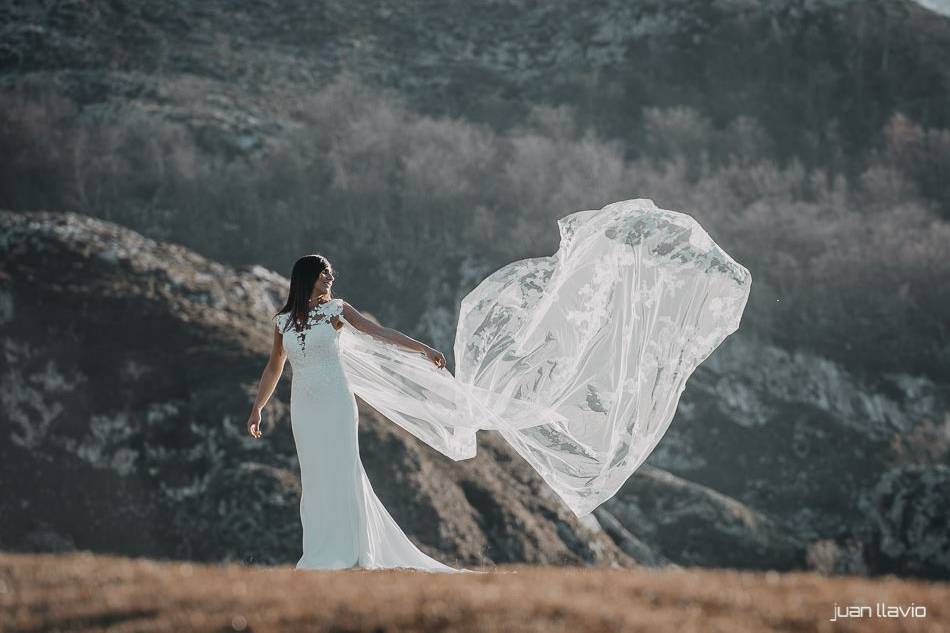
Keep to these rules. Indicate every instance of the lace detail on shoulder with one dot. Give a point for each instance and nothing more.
(334, 307)
(320, 313)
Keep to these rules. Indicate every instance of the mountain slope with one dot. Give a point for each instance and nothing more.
(129, 368)
(129, 365)
(834, 68)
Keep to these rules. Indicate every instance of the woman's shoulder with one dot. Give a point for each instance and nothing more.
(338, 303)
(333, 307)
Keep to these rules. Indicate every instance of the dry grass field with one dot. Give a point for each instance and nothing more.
(88, 593)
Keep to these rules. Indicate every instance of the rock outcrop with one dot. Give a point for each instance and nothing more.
(805, 442)
(129, 365)
(697, 526)
(907, 528)
(128, 369)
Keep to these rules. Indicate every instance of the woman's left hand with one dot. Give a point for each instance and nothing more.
(435, 356)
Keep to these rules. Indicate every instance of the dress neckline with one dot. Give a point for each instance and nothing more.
(318, 305)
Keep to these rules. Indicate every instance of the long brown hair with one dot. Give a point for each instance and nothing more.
(303, 277)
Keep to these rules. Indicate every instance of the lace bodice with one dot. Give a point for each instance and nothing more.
(316, 348)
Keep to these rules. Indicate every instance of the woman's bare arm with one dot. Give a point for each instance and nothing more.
(269, 379)
(361, 323)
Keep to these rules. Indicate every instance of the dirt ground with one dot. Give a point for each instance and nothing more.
(87, 593)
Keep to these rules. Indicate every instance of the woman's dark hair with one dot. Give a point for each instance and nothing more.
(304, 275)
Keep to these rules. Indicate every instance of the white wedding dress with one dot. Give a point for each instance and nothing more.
(578, 360)
(344, 523)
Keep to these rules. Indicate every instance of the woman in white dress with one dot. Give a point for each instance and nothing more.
(578, 360)
(344, 523)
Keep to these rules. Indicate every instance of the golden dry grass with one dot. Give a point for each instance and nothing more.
(85, 592)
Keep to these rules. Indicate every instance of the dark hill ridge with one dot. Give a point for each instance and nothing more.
(128, 371)
(186, 121)
(838, 67)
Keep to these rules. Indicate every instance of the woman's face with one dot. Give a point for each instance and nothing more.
(324, 282)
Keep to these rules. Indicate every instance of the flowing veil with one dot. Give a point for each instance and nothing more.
(577, 359)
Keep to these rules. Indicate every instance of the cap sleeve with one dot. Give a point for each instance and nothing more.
(278, 320)
(337, 309)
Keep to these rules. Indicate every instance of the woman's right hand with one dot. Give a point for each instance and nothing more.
(254, 423)
(435, 356)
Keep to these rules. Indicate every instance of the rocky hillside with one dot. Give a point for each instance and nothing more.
(128, 369)
(855, 466)
(238, 129)
(129, 365)
(490, 60)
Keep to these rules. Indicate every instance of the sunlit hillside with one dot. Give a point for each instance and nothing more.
(83, 593)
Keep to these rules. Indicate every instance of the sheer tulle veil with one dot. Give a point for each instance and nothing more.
(578, 359)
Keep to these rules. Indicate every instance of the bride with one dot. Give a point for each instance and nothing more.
(344, 523)
(577, 359)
